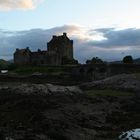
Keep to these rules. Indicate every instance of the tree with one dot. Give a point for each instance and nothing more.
(128, 59)
(66, 60)
(95, 60)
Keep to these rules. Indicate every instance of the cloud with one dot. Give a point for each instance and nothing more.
(106, 43)
(114, 37)
(18, 4)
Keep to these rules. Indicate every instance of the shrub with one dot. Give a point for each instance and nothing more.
(128, 59)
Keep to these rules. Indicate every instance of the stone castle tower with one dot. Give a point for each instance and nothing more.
(62, 45)
(59, 51)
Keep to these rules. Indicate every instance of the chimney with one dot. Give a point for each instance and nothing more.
(27, 48)
(54, 36)
(39, 50)
(64, 34)
(17, 49)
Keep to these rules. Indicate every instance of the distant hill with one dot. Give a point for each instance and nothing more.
(4, 64)
(11, 61)
(116, 62)
(137, 61)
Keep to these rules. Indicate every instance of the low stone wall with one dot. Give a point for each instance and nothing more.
(101, 71)
(114, 69)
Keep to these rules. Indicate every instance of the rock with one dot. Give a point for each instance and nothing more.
(42, 89)
(37, 74)
(42, 137)
(63, 89)
(130, 135)
(129, 82)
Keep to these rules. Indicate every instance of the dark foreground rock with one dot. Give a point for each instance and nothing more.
(40, 112)
(127, 82)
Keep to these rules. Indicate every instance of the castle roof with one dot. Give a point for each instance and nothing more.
(23, 51)
(39, 52)
(59, 39)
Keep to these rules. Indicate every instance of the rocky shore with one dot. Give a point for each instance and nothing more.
(52, 112)
(127, 82)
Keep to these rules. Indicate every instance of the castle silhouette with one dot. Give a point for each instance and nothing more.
(59, 51)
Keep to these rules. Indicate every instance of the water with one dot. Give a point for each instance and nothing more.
(133, 134)
(4, 71)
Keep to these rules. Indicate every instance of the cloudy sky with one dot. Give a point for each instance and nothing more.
(100, 28)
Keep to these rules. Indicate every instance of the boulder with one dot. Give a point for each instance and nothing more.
(130, 135)
(43, 89)
(128, 82)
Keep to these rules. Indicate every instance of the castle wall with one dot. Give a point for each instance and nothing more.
(37, 58)
(21, 58)
(52, 58)
(47, 58)
(67, 50)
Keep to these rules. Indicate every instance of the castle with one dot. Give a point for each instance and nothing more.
(59, 51)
